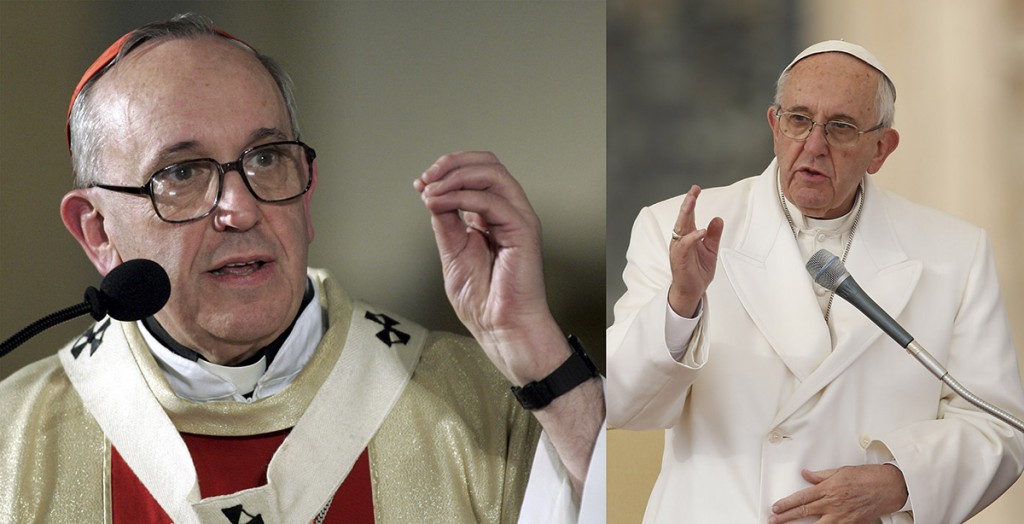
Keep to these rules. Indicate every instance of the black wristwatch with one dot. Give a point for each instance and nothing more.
(577, 369)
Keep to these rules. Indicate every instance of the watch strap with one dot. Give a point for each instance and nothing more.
(576, 369)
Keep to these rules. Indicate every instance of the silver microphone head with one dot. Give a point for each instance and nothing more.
(826, 269)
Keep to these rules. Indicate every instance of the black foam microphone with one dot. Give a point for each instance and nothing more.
(131, 291)
(829, 272)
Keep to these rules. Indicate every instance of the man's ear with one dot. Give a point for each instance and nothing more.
(85, 222)
(306, 205)
(772, 123)
(884, 146)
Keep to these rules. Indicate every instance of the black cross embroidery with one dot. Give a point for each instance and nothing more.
(234, 514)
(389, 327)
(93, 337)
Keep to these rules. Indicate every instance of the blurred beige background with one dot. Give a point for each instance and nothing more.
(383, 89)
(959, 73)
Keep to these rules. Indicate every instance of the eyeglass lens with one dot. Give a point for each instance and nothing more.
(798, 127)
(189, 190)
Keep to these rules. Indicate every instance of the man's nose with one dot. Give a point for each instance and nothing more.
(816, 142)
(238, 207)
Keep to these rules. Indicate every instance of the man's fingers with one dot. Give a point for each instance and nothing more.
(817, 477)
(458, 174)
(449, 232)
(475, 221)
(796, 513)
(479, 177)
(710, 238)
(802, 504)
(800, 498)
(685, 242)
(713, 238)
(685, 220)
(456, 160)
(686, 224)
(479, 170)
(489, 211)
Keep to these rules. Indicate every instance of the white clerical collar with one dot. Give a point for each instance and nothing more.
(206, 382)
(244, 378)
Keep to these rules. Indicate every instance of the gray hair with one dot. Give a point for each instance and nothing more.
(885, 97)
(85, 128)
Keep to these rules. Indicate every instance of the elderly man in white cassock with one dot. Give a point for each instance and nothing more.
(262, 392)
(781, 403)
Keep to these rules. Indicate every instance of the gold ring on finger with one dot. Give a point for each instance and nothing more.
(676, 236)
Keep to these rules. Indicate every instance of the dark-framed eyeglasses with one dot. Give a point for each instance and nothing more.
(798, 126)
(191, 190)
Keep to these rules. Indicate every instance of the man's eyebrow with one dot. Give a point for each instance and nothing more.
(186, 145)
(842, 117)
(166, 156)
(267, 132)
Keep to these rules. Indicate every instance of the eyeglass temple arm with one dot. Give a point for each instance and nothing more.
(144, 190)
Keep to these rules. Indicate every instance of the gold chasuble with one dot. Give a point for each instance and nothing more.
(446, 440)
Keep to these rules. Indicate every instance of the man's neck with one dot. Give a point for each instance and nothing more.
(269, 351)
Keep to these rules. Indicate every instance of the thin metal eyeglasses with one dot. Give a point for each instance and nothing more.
(191, 190)
(798, 126)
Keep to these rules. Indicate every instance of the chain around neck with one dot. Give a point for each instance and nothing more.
(849, 241)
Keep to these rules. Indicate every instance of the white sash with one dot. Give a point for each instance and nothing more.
(311, 463)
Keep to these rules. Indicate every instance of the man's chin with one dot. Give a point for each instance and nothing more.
(236, 329)
(811, 208)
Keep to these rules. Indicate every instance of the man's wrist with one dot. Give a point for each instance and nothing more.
(906, 492)
(576, 370)
(686, 307)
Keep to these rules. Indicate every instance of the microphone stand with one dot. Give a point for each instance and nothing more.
(829, 272)
(91, 305)
(937, 369)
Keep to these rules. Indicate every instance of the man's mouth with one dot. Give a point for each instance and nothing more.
(807, 171)
(239, 269)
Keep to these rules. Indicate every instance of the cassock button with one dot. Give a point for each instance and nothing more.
(865, 441)
(775, 437)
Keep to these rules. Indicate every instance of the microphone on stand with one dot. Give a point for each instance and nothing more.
(131, 291)
(829, 272)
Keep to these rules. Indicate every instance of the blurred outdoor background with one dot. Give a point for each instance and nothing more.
(689, 83)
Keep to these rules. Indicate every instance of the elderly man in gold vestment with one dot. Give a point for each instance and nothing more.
(262, 392)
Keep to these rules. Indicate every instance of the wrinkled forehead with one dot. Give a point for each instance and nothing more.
(847, 48)
(121, 48)
(832, 85)
(200, 96)
(185, 79)
(198, 59)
